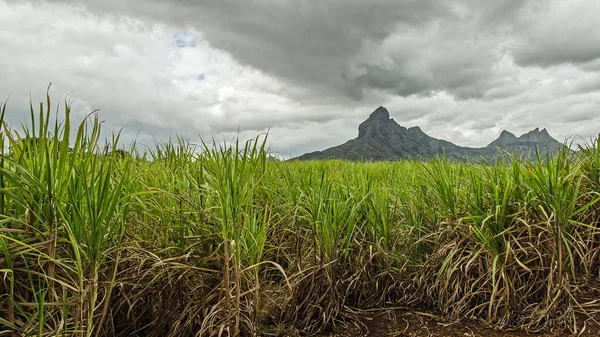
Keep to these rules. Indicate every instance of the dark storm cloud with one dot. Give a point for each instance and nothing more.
(559, 32)
(346, 48)
(311, 71)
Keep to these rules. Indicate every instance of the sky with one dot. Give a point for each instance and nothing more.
(307, 72)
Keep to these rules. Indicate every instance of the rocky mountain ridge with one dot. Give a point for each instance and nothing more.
(381, 138)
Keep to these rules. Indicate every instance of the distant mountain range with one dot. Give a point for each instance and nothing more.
(381, 138)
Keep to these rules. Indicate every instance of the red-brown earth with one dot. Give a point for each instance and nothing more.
(410, 324)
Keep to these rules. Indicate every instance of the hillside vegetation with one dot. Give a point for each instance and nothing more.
(220, 240)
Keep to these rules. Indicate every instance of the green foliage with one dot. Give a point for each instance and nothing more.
(222, 240)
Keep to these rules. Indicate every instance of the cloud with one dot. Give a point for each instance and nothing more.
(137, 74)
(344, 48)
(308, 71)
(559, 32)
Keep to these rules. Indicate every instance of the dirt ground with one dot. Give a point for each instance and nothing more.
(410, 324)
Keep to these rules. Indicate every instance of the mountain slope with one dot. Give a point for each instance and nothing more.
(381, 138)
(527, 142)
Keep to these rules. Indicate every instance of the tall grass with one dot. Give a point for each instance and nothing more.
(219, 239)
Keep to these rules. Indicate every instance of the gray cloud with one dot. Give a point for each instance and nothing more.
(345, 48)
(559, 32)
(310, 71)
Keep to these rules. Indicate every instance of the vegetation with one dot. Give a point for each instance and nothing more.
(380, 138)
(220, 240)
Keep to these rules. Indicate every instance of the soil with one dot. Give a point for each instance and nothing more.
(411, 324)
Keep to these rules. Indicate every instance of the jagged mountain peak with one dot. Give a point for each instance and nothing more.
(506, 137)
(507, 134)
(537, 136)
(381, 138)
(380, 113)
(379, 124)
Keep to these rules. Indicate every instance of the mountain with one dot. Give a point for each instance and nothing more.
(527, 142)
(381, 138)
(504, 140)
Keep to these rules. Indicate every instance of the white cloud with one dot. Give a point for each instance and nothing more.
(134, 72)
(462, 72)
